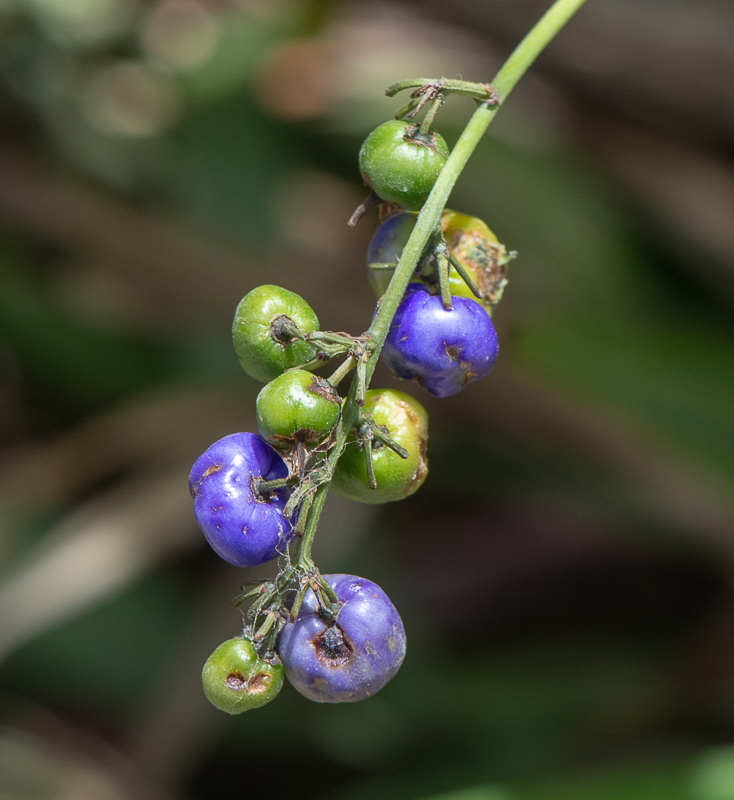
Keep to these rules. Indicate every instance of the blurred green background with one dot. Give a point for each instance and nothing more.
(565, 575)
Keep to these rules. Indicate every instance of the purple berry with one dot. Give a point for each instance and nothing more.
(242, 529)
(350, 658)
(442, 350)
(386, 246)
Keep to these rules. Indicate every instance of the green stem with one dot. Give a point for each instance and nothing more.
(476, 90)
(403, 111)
(339, 374)
(510, 73)
(389, 443)
(302, 557)
(428, 219)
(443, 280)
(369, 465)
(430, 115)
(463, 273)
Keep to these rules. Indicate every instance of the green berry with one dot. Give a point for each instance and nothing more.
(236, 679)
(406, 423)
(260, 332)
(297, 407)
(401, 164)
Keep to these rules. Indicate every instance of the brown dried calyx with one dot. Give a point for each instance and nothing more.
(332, 648)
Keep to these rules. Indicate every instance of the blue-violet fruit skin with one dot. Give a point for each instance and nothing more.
(243, 530)
(442, 350)
(351, 658)
(386, 246)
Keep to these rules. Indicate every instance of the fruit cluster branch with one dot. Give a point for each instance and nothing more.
(338, 638)
(430, 214)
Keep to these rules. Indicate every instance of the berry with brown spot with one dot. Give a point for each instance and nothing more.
(351, 656)
(236, 679)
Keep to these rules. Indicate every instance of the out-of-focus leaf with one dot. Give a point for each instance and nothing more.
(106, 654)
(37, 767)
(68, 366)
(677, 381)
(477, 793)
(244, 40)
(706, 777)
(709, 776)
(574, 248)
(227, 158)
(713, 775)
(100, 548)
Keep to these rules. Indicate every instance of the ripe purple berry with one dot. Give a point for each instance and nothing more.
(353, 656)
(243, 529)
(442, 350)
(386, 247)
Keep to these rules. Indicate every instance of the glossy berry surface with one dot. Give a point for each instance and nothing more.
(241, 528)
(406, 422)
(442, 350)
(297, 406)
(401, 164)
(386, 247)
(236, 679)
(351, 658)
(262, 351)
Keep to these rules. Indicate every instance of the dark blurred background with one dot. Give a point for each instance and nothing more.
(565, 574)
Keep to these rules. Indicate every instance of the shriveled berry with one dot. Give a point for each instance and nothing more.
(236, 679)
(470, 240)
(260, 332)
(401, 164)
(442, 350)
(297, 407)
(481, 254)
(405, 421)
(244, 528)
(351, 657)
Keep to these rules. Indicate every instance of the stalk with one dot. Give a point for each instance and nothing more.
(428, 219)
(430, 215)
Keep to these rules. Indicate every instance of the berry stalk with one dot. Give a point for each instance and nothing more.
(430, 216)
(338, 638)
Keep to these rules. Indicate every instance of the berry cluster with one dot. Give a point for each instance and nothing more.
(257, 497)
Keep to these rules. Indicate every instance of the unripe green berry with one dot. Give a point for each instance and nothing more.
(406, 422)
(401, 164)
(236, 679)
(259, 332)
(297, 406)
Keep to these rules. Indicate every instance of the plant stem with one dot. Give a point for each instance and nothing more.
(428, 119)
(510, 73)
(339, 374)
(426, 224)
(303, 553)
(463, 273)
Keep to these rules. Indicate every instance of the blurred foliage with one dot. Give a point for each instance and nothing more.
(59, 355)
(564, 574)
(106, 656)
